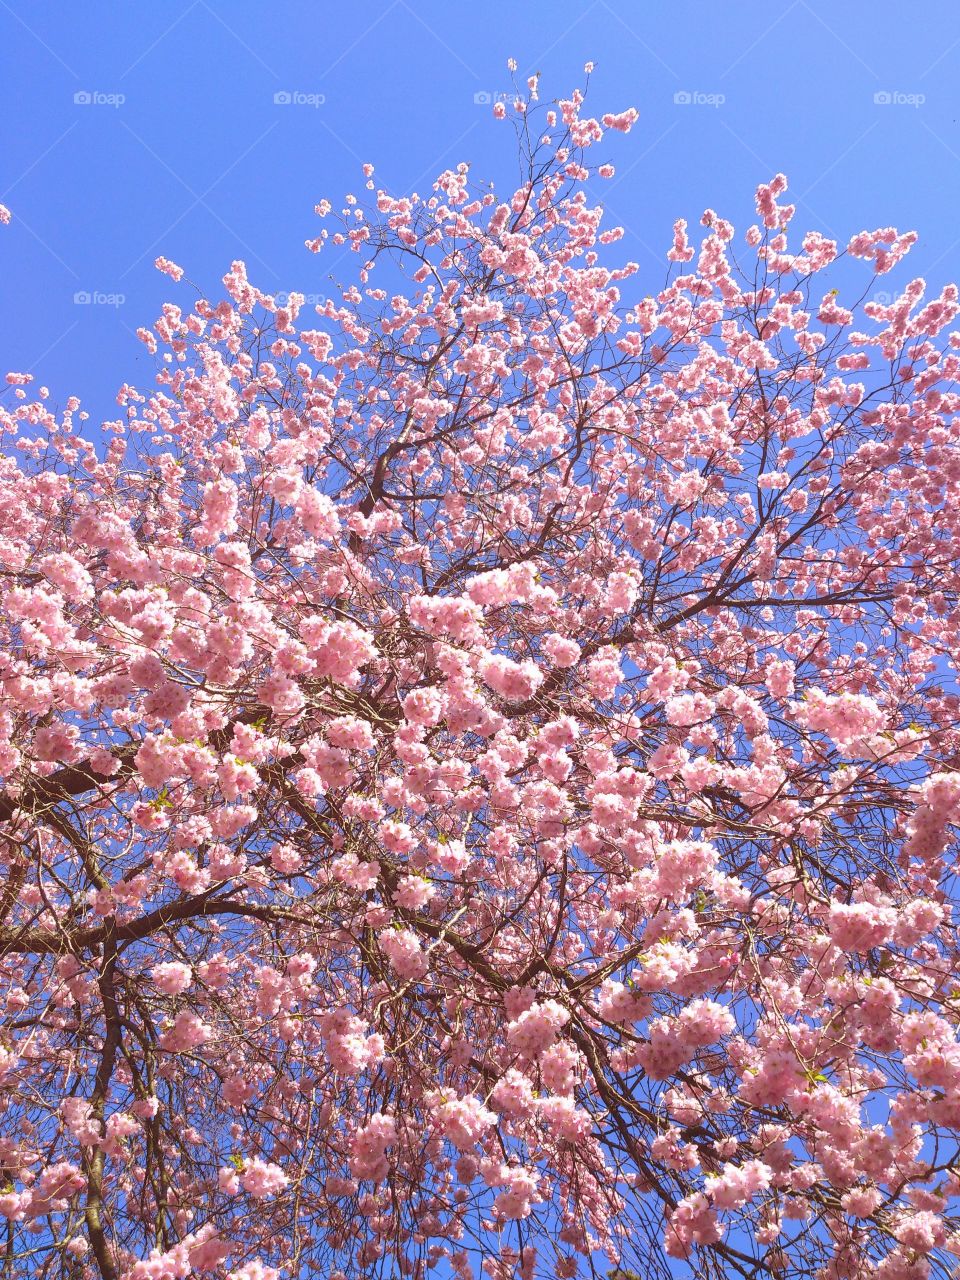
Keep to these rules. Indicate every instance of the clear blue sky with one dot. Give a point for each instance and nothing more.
(200, 163)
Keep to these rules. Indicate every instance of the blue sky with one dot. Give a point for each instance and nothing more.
(177, 145)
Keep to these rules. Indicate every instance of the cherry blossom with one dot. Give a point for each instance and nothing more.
(479, 759)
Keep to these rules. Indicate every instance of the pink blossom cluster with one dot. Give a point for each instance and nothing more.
(350, 1050)
(847, 718)
(338, 649)
(404, 952)
(171, 977)
(188, 1031)
(262, 1178)
(536, 1029)
(515, 681)
(479, 773)
(368, 1159)
(462, 1121)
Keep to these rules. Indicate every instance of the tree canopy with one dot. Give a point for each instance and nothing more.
(480, 771)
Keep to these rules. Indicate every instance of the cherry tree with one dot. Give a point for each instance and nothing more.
(480, 764)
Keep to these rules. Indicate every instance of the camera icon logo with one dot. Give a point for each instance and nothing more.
(283, 98)
(98, 98)
(483, 98)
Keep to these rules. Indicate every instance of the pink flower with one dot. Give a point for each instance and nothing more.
(536, 1029)
(515, 681)
(172, 977)
(735, 1185)
(564, 1119)
(846, 718)
(423, 707)
(507, 737)
(559, 1067)
(862, 1201)
(338, 649)
(349, 733)
(220, 500)
(255, 1270)
(14, 1204)
(560, 650)
(349, 1049)
(603, 676)
(187, 1032)
(619, 1004)
(515, 1201)
(624, 121)
(688, 708)
(513, 1094)
(368, 1160)
(667, 760)
(77, 1114)
(413, 893)
(463, 1121)
(169, 268)
(861, 925)
(779, 677)
(317, 513)
(402, 949)
(263, 1179)
(66, 572)
(691, 1222)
